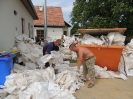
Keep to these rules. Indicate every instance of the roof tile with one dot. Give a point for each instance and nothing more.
(54, 16)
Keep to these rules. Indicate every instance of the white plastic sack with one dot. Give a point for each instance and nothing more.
(12, 97)
(41, 62)
(88, 39)
(37, 90)
(18, 68)
(102, 73)
(110, 36)
(30, 65)
(23, 48)
(118, 39)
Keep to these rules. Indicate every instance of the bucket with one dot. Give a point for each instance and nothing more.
(6, 64)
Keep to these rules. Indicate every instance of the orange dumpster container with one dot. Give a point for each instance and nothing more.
(108, 56)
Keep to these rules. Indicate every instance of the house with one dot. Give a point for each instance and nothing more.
(16, 18)
(56, 26)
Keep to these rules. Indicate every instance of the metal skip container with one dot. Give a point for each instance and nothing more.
(108, 56)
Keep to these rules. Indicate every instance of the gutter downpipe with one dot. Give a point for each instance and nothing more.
(45, 19)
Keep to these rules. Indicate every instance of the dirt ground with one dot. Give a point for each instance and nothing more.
(107, 89)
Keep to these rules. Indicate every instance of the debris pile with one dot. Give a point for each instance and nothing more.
(32, 81)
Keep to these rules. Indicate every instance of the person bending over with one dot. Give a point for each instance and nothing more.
(52, 46)
(87, 58)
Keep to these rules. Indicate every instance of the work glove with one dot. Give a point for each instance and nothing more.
(78, 70)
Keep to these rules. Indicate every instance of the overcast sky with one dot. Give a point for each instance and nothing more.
(66, 6)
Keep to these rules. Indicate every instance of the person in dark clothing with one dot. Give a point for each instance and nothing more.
(38, 41)
(56, 48)
(45, 42)
(52, 46)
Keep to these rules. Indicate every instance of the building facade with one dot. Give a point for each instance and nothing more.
(56, 26)
(16, 18)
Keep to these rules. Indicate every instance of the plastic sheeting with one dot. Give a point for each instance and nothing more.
(118, 39)
(55, 58)
(29, 51)
(88, 39)
(126, 62)
(37, 84)
(3, 94)
(103, 73)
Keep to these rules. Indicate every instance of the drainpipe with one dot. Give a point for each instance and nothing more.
(45, 19)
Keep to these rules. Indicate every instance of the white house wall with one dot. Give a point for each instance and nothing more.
(55, 31)
(50, 31)
(10, 24)
(68, 30)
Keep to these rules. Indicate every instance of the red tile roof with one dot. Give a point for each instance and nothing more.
(54, 17)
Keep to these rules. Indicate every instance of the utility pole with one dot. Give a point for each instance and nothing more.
(45, 19)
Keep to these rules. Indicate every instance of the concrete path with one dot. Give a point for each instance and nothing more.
(107, 89)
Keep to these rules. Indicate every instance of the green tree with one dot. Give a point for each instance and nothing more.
(102, 14)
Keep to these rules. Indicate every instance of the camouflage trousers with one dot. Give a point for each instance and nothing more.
(88, 66)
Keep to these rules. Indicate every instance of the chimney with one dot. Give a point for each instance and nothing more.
(41, 7)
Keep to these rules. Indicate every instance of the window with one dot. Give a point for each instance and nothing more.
(40, 33)
(29, 29)
(22, 20)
